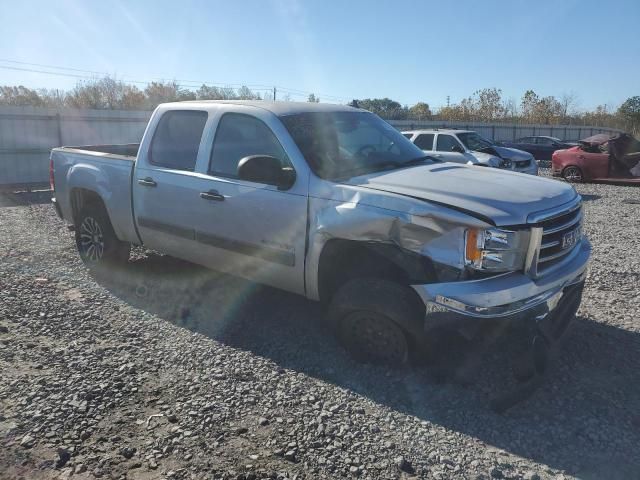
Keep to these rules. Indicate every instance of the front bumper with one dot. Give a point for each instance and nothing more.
(531, 169)
(511, 295)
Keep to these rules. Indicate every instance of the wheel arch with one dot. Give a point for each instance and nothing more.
(343, 260)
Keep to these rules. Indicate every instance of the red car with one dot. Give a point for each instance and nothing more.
(601, 158)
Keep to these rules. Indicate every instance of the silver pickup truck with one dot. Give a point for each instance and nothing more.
(333, 203)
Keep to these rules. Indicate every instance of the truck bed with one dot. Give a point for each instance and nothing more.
(128, 150)
(106, 170)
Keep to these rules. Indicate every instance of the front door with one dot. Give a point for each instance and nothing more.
(245, 228)
(445, 145)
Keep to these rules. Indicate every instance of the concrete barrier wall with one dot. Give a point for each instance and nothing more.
(27, 134)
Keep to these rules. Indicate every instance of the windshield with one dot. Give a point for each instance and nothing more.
(473, 141)
(342, 144)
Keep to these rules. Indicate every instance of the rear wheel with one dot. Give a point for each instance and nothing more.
(572, 174)
(96, 241)
(370, 318)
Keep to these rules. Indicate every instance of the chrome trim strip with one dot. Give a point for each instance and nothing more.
(565, 226)
(556, 255)
(533, 252)
(555, 212)
(554, 243)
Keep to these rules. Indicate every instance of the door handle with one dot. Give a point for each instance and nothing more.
(212, 195)
(147, 182)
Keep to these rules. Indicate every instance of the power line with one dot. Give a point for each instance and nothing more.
(187, 83)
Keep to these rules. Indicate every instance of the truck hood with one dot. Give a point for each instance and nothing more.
(498, 196)
(512, 153)
(486, 158)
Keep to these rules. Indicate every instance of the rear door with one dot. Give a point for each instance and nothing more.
(528, 144)
(165, 185)
(544, 148)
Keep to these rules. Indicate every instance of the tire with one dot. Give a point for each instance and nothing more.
(573, 174)
(371, 318)
(96, 241)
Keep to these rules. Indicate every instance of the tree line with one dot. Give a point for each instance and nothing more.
(110, 94)
(488, 105)
(484, 105)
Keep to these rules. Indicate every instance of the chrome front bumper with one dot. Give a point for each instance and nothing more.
(506, 295)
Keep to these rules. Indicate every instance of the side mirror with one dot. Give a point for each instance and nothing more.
(457, 148)
(266, 169)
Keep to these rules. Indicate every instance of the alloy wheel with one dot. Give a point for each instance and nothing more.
(91, 239)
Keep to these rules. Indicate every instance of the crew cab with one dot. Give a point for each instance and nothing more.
(332, 203)
(466, 146)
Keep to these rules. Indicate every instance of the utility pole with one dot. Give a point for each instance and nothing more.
(274, 94)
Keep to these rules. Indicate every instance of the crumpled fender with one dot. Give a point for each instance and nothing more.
(415, 226)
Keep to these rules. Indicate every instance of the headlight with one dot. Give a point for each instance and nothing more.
(506, 163)
(495, 249)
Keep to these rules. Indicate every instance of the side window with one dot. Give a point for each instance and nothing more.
(525, 140)
(238, 136)
(425, 141)
(445, 143)
(176, 140)
(408, 135)
(544, 141)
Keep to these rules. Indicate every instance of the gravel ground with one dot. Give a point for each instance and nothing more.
(166, 370)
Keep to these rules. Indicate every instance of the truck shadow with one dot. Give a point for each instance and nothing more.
(584, 419)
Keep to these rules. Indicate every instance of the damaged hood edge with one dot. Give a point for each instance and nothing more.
(494, 196)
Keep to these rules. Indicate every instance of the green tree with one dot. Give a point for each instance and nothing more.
(420, 111)
(205, 92)
(244, 93)
(313, 99)
(487, 104)
(384, 107)
(630, 111)
(528, 105)
(20, 96)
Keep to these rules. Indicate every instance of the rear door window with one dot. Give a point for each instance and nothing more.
(424, 141)
(177, 138)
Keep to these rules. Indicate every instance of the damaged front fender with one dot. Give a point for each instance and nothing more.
(413, 226)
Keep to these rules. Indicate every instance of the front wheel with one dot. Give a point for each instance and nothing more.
(370, 317)
(572, 174)
(96, 241)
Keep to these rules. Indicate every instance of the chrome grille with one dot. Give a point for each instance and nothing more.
(560, 236)
(522, 163)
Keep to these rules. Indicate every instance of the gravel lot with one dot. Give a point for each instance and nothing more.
(166, 370)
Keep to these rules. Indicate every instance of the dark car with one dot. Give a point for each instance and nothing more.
(540, 147)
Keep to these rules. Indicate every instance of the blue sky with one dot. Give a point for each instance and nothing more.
(406, 50)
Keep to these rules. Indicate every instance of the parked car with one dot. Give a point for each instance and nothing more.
(464, 146)
(333, 203)
(540, 147)
(601, 158)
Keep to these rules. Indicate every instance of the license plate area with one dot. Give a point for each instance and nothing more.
(571, 238)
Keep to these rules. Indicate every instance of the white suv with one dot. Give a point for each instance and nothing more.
(466, 146)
